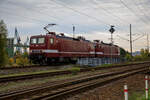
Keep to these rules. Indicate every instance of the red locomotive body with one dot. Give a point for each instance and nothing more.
(51, 47)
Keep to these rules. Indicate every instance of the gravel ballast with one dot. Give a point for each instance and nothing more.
(114, 91)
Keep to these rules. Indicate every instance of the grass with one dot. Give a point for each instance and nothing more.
(74, 70)
(138, 96)
(28, 73)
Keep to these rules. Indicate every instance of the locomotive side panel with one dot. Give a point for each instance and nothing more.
(73, 48)
(106, 50)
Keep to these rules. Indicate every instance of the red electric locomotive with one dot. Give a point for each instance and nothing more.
(51, 47)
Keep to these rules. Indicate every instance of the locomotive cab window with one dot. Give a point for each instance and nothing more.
(41, 40)
(51, 41)
(33, 40)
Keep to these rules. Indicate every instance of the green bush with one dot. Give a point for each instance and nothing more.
(11, 61)
(128, 57)
(134, 96)
(22, 61)
(75, 70)
(137, 58)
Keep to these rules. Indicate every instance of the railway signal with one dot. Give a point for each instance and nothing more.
(111, 30)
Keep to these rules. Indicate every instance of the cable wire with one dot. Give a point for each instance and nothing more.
(81, 13)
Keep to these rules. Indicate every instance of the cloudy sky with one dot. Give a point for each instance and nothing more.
(92, 18)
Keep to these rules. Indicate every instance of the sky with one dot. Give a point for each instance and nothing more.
(91, 18)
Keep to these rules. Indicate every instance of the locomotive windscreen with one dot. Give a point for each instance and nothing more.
(39, 40)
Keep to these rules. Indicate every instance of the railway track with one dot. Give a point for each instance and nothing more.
(46, 74)
(32, 66)
(59, 90)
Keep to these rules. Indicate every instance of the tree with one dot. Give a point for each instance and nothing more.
(144, 53)
(123, 54)
(128, 57)
(3, 43)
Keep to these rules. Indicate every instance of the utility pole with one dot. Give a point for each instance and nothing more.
(111, 30)
(73, 31)
(147, 42)
(130, 40)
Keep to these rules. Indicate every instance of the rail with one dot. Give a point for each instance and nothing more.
(60, 90)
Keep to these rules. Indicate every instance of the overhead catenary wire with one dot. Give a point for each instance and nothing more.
(122, 21)
(69, 8)
(84, 14)
(32, 9)
(22, 17)
(45, 21)
(135, 3)
(123, 38)
(122, 2)
(138, 37)
(81, 13)
(72, 9)
(141, 2)
(132, 40)
(29, 19)
(43, 13)
(110, 13)
(115, 16)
